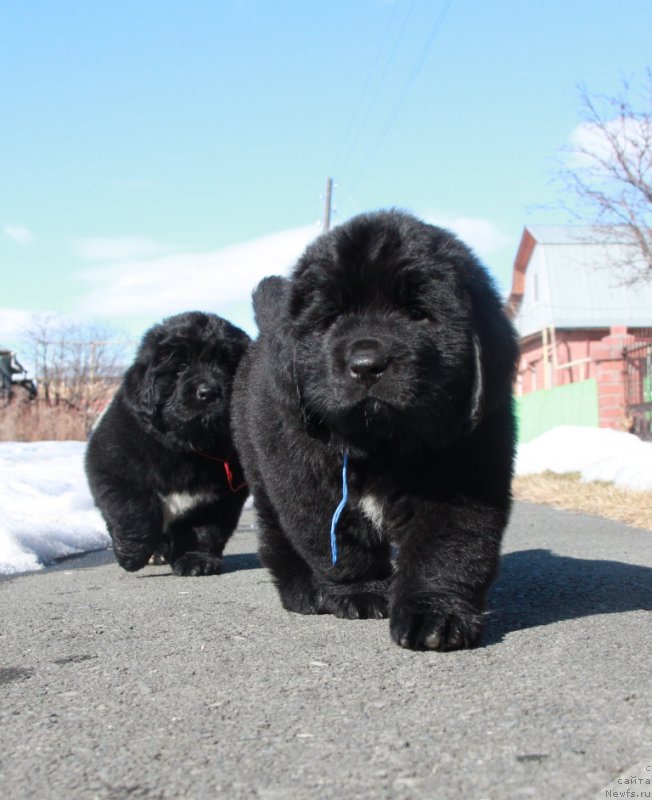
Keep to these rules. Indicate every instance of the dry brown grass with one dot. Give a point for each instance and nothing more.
(37, 421)
(595, 497)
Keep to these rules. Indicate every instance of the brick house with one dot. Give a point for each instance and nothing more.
(577, 321)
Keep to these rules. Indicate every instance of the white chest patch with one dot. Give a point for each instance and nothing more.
(372, 508)
(177, 504)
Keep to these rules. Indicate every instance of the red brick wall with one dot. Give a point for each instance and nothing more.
(610, 374)
(572, 345)
(606, 365)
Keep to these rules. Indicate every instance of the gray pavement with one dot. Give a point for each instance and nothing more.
(116, 685)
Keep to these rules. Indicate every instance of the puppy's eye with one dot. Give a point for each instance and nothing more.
(181, 367)
(318, 317)
(416, 314)
(325, 321)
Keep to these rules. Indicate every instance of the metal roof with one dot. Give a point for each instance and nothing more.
(569, 278)
(580, 234)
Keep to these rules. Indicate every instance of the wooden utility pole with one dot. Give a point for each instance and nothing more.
(327, 204)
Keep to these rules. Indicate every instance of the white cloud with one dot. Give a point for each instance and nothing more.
(139, 284)
(220, 281)
(117, 248)
(482, 235)
(141, 289)
(13, 325)
(19, 234)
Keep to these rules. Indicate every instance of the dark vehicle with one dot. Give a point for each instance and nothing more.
(12, 375)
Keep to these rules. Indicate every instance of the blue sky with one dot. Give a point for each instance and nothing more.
(158, 156)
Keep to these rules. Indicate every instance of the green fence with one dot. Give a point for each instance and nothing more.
(573, 404)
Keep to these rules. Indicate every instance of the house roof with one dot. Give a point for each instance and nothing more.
(579, 234)
(569, 277)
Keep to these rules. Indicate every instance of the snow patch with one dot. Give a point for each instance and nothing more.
(598, 454)
(46, 509)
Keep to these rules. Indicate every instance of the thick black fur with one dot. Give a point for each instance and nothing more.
(150, 459)
(389, 341)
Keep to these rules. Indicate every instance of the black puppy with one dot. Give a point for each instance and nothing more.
(160, 462)
(383, 371)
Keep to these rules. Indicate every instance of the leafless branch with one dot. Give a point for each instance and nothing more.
(74, 364)
(607, 172)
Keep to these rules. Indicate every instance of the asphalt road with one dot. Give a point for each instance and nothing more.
(117, 685)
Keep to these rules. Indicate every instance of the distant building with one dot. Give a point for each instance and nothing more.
(581, 328)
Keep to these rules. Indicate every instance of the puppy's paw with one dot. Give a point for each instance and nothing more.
(301, 599)
(131, 556)
(435, 628)
(196, 564)
(356, 605)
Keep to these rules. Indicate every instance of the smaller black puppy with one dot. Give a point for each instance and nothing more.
(160, 461)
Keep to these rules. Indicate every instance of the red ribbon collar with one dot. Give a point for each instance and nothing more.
(227, 470)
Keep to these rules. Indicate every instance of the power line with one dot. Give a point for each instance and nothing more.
(398, 105)
(372, 70)
(353, 131)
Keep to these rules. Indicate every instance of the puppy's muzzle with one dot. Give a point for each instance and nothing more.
(206, 392)
(367, 361)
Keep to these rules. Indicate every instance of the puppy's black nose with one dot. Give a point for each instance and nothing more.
(206, 393)
(367, 362)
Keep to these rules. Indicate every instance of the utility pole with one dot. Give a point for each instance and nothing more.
(327, 204)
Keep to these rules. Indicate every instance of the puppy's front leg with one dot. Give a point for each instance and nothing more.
(135, 522)
(197, 540)
(356, 586)
(356, 583)
(448, 557)
(299, 556)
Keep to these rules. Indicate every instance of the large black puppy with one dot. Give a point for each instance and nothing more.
(388, 353)
(160, 462)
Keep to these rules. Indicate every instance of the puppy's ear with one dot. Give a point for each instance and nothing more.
(269, 302)
(140, 389)
(139, 385)
(477, 386)
(495, 349)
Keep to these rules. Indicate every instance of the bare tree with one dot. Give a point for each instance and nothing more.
(607, 174)
(75, 365)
